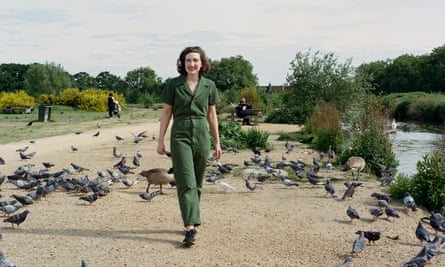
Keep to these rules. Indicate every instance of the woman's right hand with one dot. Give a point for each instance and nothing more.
(161, 148)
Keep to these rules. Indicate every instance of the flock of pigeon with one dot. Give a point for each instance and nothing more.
(35, 183)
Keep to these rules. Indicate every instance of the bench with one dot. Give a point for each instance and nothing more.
(254, 115)
(17, 110)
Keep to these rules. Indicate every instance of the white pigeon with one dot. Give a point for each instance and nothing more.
(409, 202)
(225, 186)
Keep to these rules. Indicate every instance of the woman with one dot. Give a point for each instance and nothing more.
(110, 103)
(191, 99)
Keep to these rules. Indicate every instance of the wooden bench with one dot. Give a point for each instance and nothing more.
(18, 110)
(254, 115)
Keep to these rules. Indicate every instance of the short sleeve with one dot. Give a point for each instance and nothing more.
(213, 96)
(168, 94)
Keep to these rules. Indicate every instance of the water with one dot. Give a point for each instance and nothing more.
(411, 142)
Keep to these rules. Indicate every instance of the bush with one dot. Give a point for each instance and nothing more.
(96, 100)
(46, 99)
(257, 138)
(69, 97)
(231, 134)
(16, 99)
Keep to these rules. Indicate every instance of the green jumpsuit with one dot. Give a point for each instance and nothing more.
(189, 140)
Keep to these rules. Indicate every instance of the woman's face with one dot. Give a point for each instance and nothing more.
(193, 63)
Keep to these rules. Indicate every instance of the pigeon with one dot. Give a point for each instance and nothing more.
(22, 149)
(74, 149)
(96, 134)
(352, 213)
(25, 156)
(24, 200)
(5, 262)
(116, 153)
(376, 212)
(17, 218)
(139, 154)
(90, 198)
(288, 182)
(47, 164)
(386, 180)
(350, 190)
(98, 125)
(129, 183)
(9, 209)
(422, 234)
(380, 196)
(213, 178)
(330, 189)
(372, 236)
(382, 203)
(225, 186)
(2, 161)
(252, 186)
(149, 196)
(118, 138)
(79, 168)
(391, 212)
(312, 178)
(136, 161)
(409, 202)
(346, 263)
(359, 244)
(416, 262)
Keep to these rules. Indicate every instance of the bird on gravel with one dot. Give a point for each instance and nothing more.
(330, 188)
(116, 153)
(409, 202)
(158, 176)
(24, 200)
(372, 236)
(22, 149)
(74, 148)
(129, 183)
(9, 209)
(47, 164)
(79, 168)
(136, 161)
(382, 203)
(422, 234)
(17, 218)
(346, 263)
(359, 244)
(225, 186)
(380, 196)
(118, 138)
(89, 198)
(391, 213)
(139, 154)
(376, 212)
(149, 196)
(252, 186)
(96, 134)
(214, 177)
(350, 190)
(352, 213)
(2, 161)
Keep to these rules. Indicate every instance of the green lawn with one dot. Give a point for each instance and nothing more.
(64, 120)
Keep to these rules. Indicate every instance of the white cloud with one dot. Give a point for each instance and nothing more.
(119, 36)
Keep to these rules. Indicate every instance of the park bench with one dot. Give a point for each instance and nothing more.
(254, 115)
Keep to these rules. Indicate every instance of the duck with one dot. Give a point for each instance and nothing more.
(158, 176)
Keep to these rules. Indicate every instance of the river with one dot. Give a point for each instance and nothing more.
(411, 142)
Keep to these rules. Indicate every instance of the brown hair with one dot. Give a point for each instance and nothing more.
(180, 64)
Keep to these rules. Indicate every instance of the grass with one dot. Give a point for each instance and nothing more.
(65, 120)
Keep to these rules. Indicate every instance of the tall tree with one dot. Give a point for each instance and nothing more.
(83, 80)
(233, 73)
(433, 70)
(12, 77)
(141, 82)
(108, 81)
(46, 79)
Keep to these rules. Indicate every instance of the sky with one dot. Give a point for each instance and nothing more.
(119, 36)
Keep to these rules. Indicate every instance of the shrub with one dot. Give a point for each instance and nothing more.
(69, 96)
(16, 99)
(46, 99)
(96, 100)
(257, 138)
(232, 135)
(252, 97)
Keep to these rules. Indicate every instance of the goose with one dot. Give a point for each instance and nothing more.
(158, 176)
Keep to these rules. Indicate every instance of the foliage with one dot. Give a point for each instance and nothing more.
(315, 77)
(427, 186)
(16, 99)
(292, 136)
(12, 77)
(108, 81)
(325, 124)
(232, 135)
(370, 140)
(142, 82)
(83, 80)
(252, 97)
(96, 100)
(417, 106)
(69, 96)
(46, 79)
(287, 114)
(232, 73)
(257, 138)
(47, 99)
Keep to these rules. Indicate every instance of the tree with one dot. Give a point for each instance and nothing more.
(142, 84)
(83, 80)
(232, 73)
(12, 77)
(315, 77)
(433, 70)
(107, 81)
(46, 79)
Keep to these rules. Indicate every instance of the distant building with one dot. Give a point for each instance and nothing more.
(276, 88)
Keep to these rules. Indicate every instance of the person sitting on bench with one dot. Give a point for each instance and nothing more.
(242, 110)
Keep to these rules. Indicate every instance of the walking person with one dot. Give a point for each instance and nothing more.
(111, 105)
(191, 99)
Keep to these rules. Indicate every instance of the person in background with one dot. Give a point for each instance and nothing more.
(242, 110)
(117, 109)
(111, 105)
(191, 99)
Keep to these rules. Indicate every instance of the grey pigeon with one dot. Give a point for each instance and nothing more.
(118, 138)
(96, 134)
(213, 178)
(380, 196)
(22, 149)
(376, 212)
(2, 161)
(409, 202)
(17, 218)
(346, 263)
(9, 209)
(391, 212)
(47, 164)
(139, 154)
(372, 236)
(79, 168)
(382, 203)
(352, 213)
(350, 190)
(418, 261)
(252, 186)
(129, 183)
(330, 189)
(89, 198)
(149, 196)
(5, 262)
(136, 161)
(225, 186)
(359, 244)
(422, 234)
(116, 153)
(24, 200)
(74, 148)
(386, 180)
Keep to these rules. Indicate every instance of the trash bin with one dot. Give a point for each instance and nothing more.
(44, 113)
